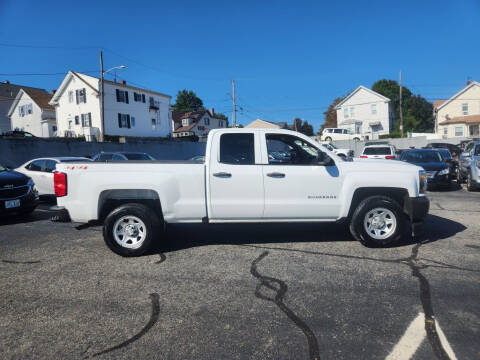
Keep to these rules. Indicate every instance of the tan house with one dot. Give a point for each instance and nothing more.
(196, 123)
(459, 116)
(263, 124)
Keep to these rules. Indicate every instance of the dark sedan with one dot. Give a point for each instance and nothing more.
(17, 192)
(437, 169)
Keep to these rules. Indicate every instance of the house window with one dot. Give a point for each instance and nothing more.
(154, 124)
(132, 121)
(54, 128)
(220, 123)
(465, 109)
(374, 109)
(345, 113)
(185, 122)
(81, 96)
(77, 120)
(70, 96)
(445, 131)
(207, 121)
(86, 120)
(143, 98)
(352, 111)
(458, 130)
(123, 121)
(122, 96)
(138, 97)
(201, 128)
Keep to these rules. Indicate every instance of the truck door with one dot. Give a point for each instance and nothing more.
(235, 180)
(296, 186)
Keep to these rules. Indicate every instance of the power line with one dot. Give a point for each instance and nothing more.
(46, 74)
(49, 47)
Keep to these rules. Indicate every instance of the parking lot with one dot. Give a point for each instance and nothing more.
(278, 291)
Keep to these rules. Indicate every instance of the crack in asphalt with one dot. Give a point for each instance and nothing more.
(21, 262)
(153, 319)
(473, 247)
(269, 282)
(162, 258)
(415, 264)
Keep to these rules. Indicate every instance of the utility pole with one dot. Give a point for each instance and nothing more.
(401, 112)
(102, 98)
(234, 120)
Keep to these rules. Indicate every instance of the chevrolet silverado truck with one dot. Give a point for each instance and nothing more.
(239, 183)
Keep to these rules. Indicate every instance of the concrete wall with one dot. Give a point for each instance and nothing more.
(14, 152)
(403, 143)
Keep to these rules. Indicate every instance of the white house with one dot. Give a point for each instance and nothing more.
(31, 112)
(196, 123)
(365, 112)
(459, 116)
(129, 110)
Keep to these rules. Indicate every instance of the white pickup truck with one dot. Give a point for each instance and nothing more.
(238, 183)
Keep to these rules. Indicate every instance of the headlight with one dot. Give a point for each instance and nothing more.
(444, 171)
(30, 183)
(422, 181)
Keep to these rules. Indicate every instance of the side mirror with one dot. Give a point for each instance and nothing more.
(323, 158)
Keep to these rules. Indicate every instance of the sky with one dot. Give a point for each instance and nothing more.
(288, 58)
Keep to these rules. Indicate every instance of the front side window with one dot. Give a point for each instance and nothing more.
(237, 149)
(36, 165)
(290, 150)
(465, 109)
(458, 130)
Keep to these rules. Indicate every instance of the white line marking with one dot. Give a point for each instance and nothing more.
(445, 343)
(410, 341)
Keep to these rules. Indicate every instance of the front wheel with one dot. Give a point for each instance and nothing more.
(377, 221)
(459, 176)
(470, 185)
(131, 229)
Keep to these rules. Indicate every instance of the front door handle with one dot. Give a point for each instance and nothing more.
(223, 175)
(276, 175)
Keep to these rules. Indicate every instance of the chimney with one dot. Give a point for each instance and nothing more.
(469, 82)
(7, 82)
(123, 82)
(212, 112)
(53, 91)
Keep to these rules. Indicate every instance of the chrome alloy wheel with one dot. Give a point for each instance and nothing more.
(129, 232)
(380, 223)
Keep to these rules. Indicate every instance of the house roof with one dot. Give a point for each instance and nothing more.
(186, 128)
(81, 76)
(470, 119)
(361, 87)
(10, 91)
(39, 96)
(466, 88)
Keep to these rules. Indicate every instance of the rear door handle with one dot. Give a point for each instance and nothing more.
(223, 175)
(276, 175)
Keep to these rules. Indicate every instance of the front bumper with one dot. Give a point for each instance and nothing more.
(439, 180)
(27, 202)
(417, 209)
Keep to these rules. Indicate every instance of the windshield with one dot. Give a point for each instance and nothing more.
(377, 151)
(423, 156)
(133, 156)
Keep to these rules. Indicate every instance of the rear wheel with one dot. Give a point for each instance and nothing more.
(356, 139)
(377, 221)
(131, 229)
(459, 176)
(470, 185)
(328, 138)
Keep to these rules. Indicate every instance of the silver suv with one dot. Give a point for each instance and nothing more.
(469, 166)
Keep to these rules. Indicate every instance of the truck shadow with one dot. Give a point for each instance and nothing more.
(184, 236)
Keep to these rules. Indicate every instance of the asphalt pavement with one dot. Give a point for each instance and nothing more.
(272, 291)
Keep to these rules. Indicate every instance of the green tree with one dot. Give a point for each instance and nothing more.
(302, 126)
(417, 111)
(330, 116)
(187, 101)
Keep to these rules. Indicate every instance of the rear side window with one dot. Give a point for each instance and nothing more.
(105, 157)
(50, 166)
(237, 149)
(36, 165)
(338, 131)
(377, 151)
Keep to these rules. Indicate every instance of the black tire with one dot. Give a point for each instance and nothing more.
(356, 139)
(357, 228)
(328, 138)
(459, 176)
(149, 218)
(470, 185)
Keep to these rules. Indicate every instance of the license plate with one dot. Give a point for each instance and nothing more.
(12, 204)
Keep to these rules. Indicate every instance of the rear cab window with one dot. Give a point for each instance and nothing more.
(377, 151)
(36, 165)
(237, 149)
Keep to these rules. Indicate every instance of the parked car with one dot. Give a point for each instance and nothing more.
(454, 149)
(334, 134)
(18, 193)
(452, 163)
(122, 155)
(239, 184)
(379, 152)
(41, 171)
(437, 169)
(340, 152)
(18, 134)
(469, 166)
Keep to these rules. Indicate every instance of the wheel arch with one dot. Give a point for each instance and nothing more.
(398, 194)
(111, 199)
